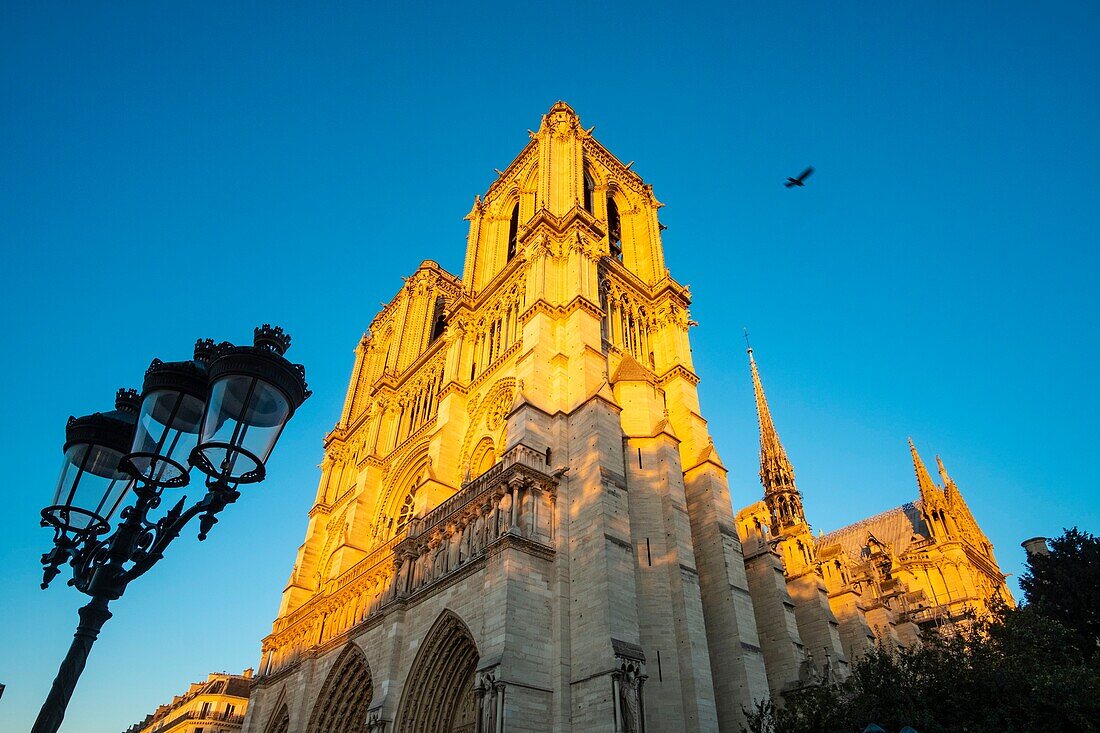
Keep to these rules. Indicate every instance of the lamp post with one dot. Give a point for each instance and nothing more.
(221, 413)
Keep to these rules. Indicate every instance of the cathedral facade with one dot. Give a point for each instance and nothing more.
(522, 522)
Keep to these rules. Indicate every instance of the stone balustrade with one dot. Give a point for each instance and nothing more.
(515, 497)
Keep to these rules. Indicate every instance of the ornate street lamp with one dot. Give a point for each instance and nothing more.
(221, 413)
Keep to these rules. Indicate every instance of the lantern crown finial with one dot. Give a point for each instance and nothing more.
(205, 351)
(127, 400)
(272, 338)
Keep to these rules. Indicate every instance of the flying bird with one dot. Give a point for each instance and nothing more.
(801, 177)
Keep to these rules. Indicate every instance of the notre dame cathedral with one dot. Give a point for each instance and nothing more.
(523, 524)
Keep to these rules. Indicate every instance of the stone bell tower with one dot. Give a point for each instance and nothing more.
(522, 522)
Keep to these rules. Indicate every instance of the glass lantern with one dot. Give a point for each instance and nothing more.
(254, 391)
(92, 485)
(172, 402)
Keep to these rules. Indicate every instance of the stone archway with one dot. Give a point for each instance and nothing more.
(439, 691)
(484, 457)
(280, 721)
(342, 705)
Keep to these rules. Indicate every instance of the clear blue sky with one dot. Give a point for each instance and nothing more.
(172, 171)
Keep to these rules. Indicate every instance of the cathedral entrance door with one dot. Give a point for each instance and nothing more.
(439, 692)
(342, 705)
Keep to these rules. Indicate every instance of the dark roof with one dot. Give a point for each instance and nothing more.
(238, 687)
(898, 527)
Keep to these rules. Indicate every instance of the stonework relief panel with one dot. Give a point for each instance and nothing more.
(486, 428)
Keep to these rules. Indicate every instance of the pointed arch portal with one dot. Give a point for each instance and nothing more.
(439, 692)
(280, 721)
(342, 705)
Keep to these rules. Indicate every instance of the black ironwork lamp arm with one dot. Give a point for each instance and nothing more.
(99, 570)
(99, 563)
(158, 536)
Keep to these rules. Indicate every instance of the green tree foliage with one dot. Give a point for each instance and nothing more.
(1065, 586)
(1033, 669)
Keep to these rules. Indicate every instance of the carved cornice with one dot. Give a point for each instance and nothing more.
(444, 280)
(539, 306)
(579, 303)
(425, 362)
(320, 508)
(666, 287)
(338, 432)
(564, 229)
(678, 372)
(347, 433)
(523, 544)
(372, 461)
(453, 387)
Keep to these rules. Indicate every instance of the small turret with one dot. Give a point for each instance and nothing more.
(949, 488)
(1036, 546)
(959, 511)
(932, 499)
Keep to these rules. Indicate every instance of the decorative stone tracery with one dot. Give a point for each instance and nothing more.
(345, 697)
(441, 679)
(488, 418)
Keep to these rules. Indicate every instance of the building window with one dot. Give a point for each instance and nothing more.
(513, 232)
(229, 710)
(439, 320)
(614, 230)
(406, 512)
(588, 187)
(205, 711)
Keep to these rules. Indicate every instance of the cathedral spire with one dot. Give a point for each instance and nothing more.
(776, 472)
(930, 494)
(932, 500)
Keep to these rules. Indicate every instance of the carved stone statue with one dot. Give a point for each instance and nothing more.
(375, 722)
(487, 707)
(630, 703)
(808, 673)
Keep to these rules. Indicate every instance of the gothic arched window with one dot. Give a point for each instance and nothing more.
(605, 306)
(588, 187)
(406, 512)
(439, 320)
(513, 232)
(614, 229)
